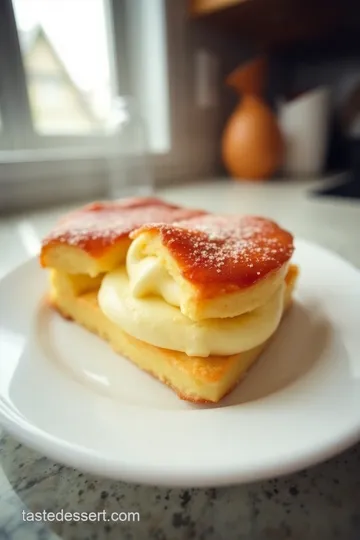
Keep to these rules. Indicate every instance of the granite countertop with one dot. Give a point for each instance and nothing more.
(318, 503)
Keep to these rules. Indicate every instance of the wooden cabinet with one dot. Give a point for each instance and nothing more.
(268, 22)
(202, 7)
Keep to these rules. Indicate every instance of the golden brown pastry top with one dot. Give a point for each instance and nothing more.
(100, 225)
(227, 252)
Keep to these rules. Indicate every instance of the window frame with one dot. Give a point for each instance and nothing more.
(121, 16)
(49, 158)
(18, 128)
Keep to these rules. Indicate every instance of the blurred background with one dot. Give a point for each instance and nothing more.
(105, 97)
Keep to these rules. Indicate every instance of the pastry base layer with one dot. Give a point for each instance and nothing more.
(195, 379)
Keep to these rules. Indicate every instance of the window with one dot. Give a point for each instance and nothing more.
(61, 64)
(67, 59)
(65, 55)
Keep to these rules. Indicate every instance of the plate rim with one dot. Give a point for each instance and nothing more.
(132, 474)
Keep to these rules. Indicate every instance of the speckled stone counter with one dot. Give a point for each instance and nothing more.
(321, 503)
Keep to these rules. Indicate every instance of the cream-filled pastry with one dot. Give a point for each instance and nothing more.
(190, 297)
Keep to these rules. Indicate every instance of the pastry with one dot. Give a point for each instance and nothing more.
(190, 297)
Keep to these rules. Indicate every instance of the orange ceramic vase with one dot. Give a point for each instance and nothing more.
(252, 145)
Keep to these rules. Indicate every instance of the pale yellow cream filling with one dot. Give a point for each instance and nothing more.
(149, 275)
(151, 319)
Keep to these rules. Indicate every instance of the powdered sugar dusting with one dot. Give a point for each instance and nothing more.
(104, 224)
(229, 245)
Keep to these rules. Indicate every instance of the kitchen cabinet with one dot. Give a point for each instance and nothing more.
(273, 22)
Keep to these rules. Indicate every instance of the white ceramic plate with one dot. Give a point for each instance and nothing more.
(65, 393)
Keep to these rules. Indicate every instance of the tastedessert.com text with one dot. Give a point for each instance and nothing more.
(63, 515)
